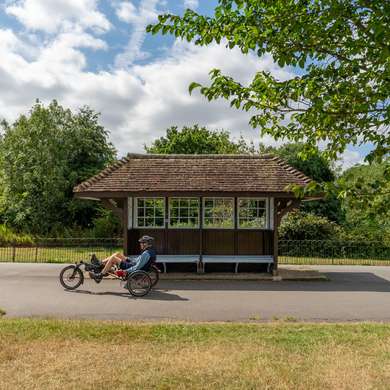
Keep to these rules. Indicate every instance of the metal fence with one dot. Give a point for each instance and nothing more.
(290, 252)
(54, 250)
(333, 252)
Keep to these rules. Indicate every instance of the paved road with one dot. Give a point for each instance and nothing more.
(353, 293)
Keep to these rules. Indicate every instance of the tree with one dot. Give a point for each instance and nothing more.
(367, 216)
(316, 167)
(198, 140)
(341, 95)
(43, 155)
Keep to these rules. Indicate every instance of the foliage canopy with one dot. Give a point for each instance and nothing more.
(341, 95)
(43, 155)
(198, 140)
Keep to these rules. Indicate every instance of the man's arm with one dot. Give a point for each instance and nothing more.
(140, 261)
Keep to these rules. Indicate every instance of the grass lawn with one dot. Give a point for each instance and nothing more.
(71, 255)
(55, 354)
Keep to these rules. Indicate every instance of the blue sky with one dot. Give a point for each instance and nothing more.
(97, 53)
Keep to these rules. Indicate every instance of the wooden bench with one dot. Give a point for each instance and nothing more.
(267, 259)
(164, 259)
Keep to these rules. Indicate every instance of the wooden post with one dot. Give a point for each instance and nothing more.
(125, 226)
(200, 264)
(235, 216)
(13, 253)
(275, 240)
(36, 253)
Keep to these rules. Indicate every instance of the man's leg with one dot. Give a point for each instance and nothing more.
(114, 259)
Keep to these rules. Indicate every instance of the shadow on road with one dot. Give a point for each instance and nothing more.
(159, 295)
(338, 281)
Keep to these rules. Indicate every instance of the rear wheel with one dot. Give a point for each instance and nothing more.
(71, 277)
(139, 283)
(154, 274)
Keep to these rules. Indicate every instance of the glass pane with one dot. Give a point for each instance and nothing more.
(194, 213)
(159, 202)
(208, 204)
(159, 212)
(174, 202)
(140, 203)
(184, 203)
(174, 221)
(140, 222)
(194, 203)
(149, 212)
(159, 222)
(149, 221)
(219, 212)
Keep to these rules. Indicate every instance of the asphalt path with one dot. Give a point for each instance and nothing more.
(354, 293)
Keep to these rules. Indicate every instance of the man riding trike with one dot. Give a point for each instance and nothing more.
(139, 275)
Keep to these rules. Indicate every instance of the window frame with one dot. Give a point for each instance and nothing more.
(135, 212)
(267, 213)
(197, 227)
(204, 226)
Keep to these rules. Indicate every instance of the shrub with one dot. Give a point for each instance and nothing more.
(7, 236)
(298, 225)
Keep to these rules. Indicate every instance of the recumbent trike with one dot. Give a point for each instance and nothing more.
(139, 283)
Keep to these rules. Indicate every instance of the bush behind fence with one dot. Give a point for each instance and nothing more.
(290, 252)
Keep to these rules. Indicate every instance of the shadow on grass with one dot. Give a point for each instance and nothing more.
(158, 295)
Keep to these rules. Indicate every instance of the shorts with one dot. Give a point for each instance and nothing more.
(125, 264)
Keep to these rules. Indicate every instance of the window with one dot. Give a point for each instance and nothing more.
(252, 213)
(218, 213)
(184, 212)
(150, 212)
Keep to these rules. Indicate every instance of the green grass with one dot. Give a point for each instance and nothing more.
(2, 312)
(58, 354)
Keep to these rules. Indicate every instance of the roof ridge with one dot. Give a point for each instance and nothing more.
(289, 168)
(200, 156)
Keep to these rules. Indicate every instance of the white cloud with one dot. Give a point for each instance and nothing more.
(349, 158)
(50, 16)
(139, 18)
(192, 4)
(137, 102)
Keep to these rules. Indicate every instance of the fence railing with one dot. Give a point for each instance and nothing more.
(290, 252)
(333, 252)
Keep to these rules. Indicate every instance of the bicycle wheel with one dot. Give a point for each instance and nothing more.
(154, 275)
(71, 277)
(139, 283)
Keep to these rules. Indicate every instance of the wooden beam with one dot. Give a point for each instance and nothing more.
(124, 220)
(110, 204)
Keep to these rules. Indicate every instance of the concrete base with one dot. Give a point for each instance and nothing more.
(283, 274)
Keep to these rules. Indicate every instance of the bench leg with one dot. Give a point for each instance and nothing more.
(165, 268)
(236, 268)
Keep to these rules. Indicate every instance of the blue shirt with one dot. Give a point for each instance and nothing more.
(140, 261)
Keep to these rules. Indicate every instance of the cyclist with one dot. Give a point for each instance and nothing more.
(127, 264)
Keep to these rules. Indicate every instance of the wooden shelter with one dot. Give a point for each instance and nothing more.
(208, 208)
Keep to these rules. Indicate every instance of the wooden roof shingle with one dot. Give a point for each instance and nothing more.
(194, 173)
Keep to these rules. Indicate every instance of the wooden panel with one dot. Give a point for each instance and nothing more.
(183, 241)
(250, 242)
(268, 242)
(135, 234)
(218, 242)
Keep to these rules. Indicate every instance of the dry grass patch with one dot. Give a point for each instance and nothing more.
(37, 354)
(2, 312)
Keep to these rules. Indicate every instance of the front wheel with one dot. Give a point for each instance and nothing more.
(71, 277)
(139, 283)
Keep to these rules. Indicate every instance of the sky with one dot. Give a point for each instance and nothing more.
(96, 53)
